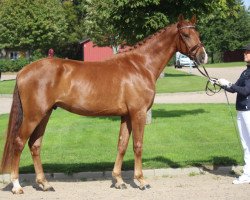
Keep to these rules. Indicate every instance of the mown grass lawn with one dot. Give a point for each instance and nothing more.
(179, 136)
(7, 87)
(177, 81)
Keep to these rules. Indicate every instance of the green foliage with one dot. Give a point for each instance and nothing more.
(143, 18)
(61, 24)
(30, 25)
(7, 65)
(135, 20)
(220, 34)
(74, 15)
(98, 24)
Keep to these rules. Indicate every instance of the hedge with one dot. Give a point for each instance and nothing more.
(7, 65)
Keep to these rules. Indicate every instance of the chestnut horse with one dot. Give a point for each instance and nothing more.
(123, 85)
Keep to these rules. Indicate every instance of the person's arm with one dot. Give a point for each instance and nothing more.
(226, 85)
(228, 89)
(245, 91)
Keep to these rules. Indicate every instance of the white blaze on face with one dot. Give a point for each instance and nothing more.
(206, 57)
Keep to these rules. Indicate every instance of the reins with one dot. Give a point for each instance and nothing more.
(212, 86)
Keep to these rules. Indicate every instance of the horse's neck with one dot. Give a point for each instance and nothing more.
(159, 50)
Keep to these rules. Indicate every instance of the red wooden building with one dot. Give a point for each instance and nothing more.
(92, 52)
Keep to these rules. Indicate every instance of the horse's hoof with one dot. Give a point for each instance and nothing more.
(121, 186)
(145, 187)
(50, 189)
(17, 191)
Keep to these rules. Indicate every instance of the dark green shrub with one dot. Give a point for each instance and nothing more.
(7, 65)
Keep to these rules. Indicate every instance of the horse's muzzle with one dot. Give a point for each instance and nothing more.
(201, 57)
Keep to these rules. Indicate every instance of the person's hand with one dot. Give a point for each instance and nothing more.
(224, 82)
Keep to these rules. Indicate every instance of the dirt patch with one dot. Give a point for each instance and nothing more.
(192, 186)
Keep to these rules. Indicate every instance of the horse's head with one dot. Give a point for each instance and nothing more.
(188, 41)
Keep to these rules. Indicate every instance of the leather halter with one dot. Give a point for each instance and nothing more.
(192, 51)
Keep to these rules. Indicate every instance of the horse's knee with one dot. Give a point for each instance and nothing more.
(138, 148)
(122, 145)
(19, 144)
(122, 150)
(35, 149)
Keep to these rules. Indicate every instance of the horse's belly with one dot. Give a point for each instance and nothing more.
(92, 109)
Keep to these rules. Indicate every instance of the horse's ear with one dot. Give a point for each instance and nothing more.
(181, 18)
(193, 20)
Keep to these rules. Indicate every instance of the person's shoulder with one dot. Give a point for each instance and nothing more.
(246, 73)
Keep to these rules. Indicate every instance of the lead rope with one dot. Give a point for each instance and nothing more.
(233, 119)
(216, 89)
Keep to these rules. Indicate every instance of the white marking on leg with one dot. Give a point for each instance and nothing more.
(16, 183)
(17, 189)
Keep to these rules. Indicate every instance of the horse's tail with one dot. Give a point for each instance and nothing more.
(15, 121)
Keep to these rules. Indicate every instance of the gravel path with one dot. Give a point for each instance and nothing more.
(229, 73)
(189, 187)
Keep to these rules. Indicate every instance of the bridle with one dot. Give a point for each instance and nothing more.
(192, 51)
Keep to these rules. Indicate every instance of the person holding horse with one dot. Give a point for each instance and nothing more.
(242, 88)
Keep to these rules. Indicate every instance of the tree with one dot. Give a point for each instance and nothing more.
(32, 24)
(74, 15)
(221, 34)
(117, 21)
(98, 24)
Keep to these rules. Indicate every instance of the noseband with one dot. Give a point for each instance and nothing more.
(192, 51)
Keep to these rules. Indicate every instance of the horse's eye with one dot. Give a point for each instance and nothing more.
(185, 35)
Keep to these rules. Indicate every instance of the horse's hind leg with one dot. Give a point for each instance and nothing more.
(125, 131)
(25, 131)
(35, 142)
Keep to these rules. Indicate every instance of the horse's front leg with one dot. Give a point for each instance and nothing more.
(125, 131)
(138, 124)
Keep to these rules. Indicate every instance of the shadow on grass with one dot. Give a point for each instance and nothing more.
(8, 80)
(156, 113)
(175, 113)
(177, 75)
(70, 168)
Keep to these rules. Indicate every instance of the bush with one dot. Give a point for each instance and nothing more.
(7, 65)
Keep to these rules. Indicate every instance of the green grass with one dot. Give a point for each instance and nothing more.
(179, 136)
(7, 87)
(177, 81)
